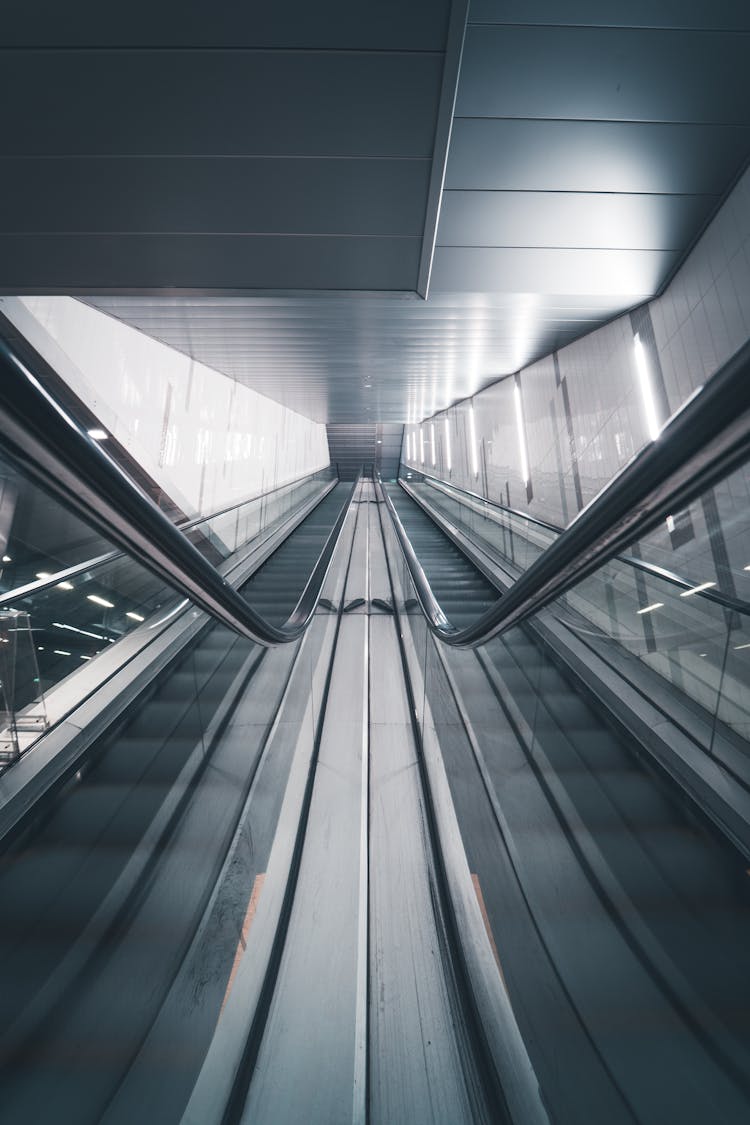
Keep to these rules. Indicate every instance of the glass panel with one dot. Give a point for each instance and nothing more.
(640, 620)
(74, 621)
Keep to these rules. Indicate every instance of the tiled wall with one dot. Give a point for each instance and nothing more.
(584, 415)
(204, 438)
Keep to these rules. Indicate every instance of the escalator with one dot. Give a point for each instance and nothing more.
(102, 832)
(464, 593)
(621, 916)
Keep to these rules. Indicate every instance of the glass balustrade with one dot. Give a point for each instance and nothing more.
(79, 596)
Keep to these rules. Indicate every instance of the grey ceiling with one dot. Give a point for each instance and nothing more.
(171, 166)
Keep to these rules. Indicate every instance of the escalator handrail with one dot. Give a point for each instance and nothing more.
(728, 601)
(703, 442)
(98, 561)
(54, 451)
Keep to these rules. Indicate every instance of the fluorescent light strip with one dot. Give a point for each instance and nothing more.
(647, 393)
(473, 441)
(100, 601)
(421, 445)
(134, 616)
(98, 435)
(738, 647)
(448, 444)
(521, 434)
(697, 589)
(432, 442)
(65, 586)
(651, 608)
(83, 632)
(61, 652)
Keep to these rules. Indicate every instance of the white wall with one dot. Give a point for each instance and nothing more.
(689, 332)
(204, 438)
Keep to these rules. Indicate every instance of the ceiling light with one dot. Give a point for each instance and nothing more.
(697, 589)
(738, 647)
(65, 585)
(448, 444)
(521, 434)
(134, 616)
(7, 558)
(100, 601)
(432, 442)
(647, 392)
(421, 445)
(473, 441)
(61, 652)
(651, 608)
(43, 574)
(98, 434)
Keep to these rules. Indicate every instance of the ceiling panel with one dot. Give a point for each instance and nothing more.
(536, 155)
(419, 25)
(629, 274)
(569, 219)
(247, 195)
(616, 74)
(246, 164)
(220, 103)
(317, 353)
(727, 15)
(82, 262)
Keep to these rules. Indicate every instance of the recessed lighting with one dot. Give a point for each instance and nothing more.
(134, 616)
(61, 652)
(65, 585)
(40, 648)
(43, 574)
(98, 435)
(647, 394)
(651, 608)
(7, 558)
(697, 589)
(100, 601)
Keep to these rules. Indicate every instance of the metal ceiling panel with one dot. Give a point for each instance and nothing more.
(630, 274)
(605, 74)
(245, 195)
(534, 155)
(48, 263)
(727, 15)
(220, 103)
(587, 220)
(317, 353)
(419, 25)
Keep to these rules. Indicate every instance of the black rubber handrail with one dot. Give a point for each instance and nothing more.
(703, 442)
(727, 601)
(53, 450)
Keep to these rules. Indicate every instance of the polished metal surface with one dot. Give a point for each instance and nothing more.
(588, 149)
(360, 358)
(233, 150)
(54, 451)
(703, 442)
